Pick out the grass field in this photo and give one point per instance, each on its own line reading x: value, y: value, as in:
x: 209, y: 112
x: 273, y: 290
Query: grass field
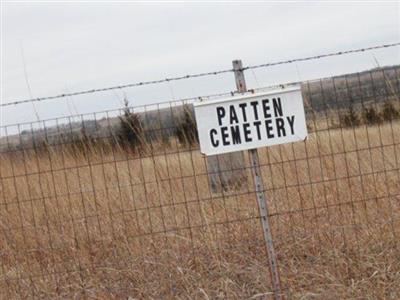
x: 107, y: 225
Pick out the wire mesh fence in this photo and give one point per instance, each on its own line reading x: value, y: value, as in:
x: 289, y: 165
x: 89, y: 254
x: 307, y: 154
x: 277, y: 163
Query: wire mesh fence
x: 122, y: 204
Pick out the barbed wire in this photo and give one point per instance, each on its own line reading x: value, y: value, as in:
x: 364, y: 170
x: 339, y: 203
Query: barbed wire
x: 136, y: 84
x: 320, y: 56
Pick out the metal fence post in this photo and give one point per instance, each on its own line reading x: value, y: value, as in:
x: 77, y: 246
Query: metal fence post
x: 261, y: 198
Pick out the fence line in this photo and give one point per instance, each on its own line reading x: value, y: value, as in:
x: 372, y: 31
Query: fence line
x: 122, y: 204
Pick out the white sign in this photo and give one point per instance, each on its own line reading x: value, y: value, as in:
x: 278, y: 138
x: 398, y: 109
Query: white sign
x: 253, y: 121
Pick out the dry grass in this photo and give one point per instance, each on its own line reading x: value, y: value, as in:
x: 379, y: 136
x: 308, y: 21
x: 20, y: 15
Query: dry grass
x: 114, y: 225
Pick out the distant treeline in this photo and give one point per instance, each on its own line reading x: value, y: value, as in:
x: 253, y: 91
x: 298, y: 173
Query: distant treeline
x: 357, y: 89
x: 368, y: 97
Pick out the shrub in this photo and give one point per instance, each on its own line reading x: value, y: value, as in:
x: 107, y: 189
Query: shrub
x: 130, y: 133
x: 186, y: 127
x: 371, y: 116
x: 350, y: 119
x: 389, y: 111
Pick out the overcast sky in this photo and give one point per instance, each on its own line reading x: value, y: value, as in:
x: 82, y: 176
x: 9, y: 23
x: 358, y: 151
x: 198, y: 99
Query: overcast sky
x: 52, y: 48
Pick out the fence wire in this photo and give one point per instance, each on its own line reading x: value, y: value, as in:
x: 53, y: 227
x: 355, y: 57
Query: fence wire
x: 122, y: 204
x: 204, y: 74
